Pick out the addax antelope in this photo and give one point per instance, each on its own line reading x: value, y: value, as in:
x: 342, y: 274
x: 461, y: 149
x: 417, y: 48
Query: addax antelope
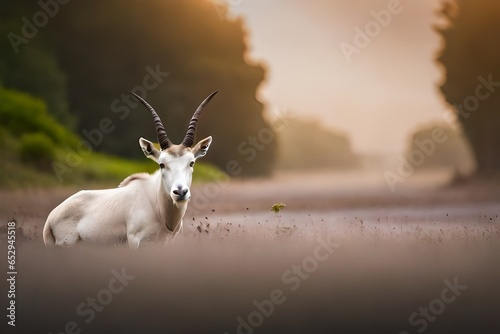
x: 144, y: 207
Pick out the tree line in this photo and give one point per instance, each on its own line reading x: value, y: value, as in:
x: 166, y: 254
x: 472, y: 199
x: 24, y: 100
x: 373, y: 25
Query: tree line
x: 470, y: 57
x: 82, y: 57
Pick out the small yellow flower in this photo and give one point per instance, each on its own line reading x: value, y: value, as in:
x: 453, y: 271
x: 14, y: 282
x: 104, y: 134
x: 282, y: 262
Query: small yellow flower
x: 276, y: 208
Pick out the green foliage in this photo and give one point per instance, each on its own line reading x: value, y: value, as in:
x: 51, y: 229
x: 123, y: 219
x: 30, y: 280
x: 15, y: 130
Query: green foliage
x: 37, y: 149
x: 105, y: 168
x: 87, y: 66
x: 205, y: 172
x: 34, y: 70
x: 3, y: 136
x: 471, y: 52
x: 21, y: 113
x: 31, y: 140
x: 100, y: 169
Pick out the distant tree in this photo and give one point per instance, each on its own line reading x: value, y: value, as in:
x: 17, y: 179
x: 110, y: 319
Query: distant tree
x: 470, y: 58
x: 451, y: 151
x: 306, y: 144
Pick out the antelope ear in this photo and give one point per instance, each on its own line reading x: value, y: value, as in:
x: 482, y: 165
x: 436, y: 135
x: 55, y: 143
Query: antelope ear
x: 149, y: 150
x: 201, y: 148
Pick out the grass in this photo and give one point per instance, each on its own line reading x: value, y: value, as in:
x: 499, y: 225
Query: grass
x: 98, y: 168
x: 34, y: 151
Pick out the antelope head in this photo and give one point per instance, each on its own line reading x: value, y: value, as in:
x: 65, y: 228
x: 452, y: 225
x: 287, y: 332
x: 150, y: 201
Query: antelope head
x: 176, y: 162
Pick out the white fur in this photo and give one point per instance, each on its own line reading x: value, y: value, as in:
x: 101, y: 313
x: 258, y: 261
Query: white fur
x: 143, y: 208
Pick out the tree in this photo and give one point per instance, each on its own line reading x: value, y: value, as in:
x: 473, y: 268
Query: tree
x: 90, y: 53
x: 109, y: 47
x: 27, y: 62
x: 306, y: 144
x: 472, y: 83
x: 450, y: 151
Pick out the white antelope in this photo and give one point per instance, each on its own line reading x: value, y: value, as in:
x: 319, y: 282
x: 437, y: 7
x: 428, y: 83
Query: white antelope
x: 144, y: 207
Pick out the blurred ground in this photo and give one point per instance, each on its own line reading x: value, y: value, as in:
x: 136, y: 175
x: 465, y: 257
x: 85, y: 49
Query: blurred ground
x: 384, y: 260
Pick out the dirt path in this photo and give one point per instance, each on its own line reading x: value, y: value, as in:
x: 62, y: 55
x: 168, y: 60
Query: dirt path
x: 346, y: 255
x: 320, y: 198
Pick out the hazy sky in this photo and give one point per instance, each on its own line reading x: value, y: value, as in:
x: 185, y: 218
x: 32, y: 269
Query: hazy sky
x: 386, y: 91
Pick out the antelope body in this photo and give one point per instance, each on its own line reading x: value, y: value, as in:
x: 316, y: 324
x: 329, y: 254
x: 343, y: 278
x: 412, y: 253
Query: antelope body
x: 145, y: 207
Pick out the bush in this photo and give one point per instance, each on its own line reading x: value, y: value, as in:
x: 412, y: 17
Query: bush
x: 37, y: 149
x: 21, y: 113
x: 3, y: 135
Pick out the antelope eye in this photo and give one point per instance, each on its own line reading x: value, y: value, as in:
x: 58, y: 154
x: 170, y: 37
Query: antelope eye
x: 162, y: 165
x: 191, y: 164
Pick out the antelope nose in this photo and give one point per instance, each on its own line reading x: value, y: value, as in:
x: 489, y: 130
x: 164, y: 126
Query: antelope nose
x: 181, y: 192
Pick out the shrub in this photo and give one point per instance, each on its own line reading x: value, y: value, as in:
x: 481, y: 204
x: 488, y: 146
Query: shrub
x: 21, y: 113
x: 37, y: 149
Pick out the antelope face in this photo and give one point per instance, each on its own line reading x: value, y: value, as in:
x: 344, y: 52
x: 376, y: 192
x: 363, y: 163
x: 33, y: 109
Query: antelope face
x: 176, y: 165
x: 176, y: 162
x: 176, y: 172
